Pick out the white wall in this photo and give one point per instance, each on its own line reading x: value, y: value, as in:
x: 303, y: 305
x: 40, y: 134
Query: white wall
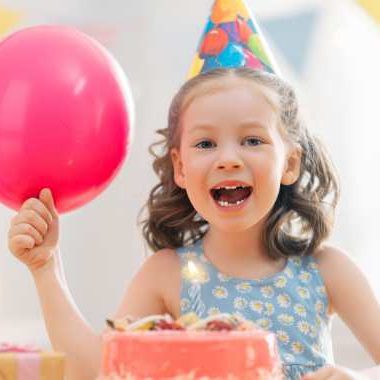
x: 101, y: 243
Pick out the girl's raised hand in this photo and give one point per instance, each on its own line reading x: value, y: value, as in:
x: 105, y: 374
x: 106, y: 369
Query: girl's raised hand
x: 334, y: 373
x: 34, y: 232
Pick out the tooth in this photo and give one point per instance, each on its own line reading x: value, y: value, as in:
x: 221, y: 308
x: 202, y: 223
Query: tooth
x: 227, y: 204
x: 229, y: 187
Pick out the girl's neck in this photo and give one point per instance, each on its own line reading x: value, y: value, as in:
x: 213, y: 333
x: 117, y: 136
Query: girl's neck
x: 240, y: 254
x: 242, y: 245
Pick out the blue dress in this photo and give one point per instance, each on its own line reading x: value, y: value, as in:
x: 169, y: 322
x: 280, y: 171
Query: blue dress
x: 292, y: 303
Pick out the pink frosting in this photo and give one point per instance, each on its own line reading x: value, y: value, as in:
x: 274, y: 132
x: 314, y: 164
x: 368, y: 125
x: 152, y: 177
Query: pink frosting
x: 15, y: 348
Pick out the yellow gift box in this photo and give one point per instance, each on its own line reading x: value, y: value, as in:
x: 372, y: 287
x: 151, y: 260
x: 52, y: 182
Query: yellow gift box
x: 25, y: 364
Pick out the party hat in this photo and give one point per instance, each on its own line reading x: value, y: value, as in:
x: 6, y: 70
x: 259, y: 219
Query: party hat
x: 231, y: 38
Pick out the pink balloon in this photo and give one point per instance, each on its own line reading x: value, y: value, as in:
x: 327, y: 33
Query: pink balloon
x: 65, y: 116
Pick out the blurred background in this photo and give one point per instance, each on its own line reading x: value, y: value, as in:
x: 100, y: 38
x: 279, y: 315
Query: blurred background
x: 329, y: 50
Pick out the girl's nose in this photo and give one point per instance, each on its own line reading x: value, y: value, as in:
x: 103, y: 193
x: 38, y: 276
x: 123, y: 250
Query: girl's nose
x: 229, y: 164
x: 229, y: 159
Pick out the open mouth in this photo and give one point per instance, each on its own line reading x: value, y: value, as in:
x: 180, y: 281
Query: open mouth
x: 230, y: 196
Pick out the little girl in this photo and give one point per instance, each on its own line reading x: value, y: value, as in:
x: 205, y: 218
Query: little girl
x: 238, y: 221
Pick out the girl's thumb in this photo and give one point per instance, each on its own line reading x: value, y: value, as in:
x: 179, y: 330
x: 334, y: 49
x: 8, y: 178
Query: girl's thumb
x: 46, y: 197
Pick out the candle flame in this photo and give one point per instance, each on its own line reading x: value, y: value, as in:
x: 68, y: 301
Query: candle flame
x: 193, y: 272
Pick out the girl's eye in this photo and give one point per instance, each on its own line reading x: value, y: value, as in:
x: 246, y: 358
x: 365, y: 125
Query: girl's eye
x: 205, y: 144
x: 252, y: 141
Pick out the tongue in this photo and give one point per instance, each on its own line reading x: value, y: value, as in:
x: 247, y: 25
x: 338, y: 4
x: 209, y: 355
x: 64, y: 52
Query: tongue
x: 233, y: 196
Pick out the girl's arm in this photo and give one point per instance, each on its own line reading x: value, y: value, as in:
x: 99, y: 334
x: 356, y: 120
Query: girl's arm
x: 352, y: 297
x: 67, y: 329
x: 33, y: 239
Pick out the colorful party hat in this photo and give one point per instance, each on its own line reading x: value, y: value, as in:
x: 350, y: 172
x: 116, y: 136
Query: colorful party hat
x: 232, y: 38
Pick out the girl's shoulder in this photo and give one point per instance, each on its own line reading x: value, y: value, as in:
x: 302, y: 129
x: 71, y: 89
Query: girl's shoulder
x: 352, y: 295
x: 333, y: 263
x: 164, y: 260
x: 329, y: 257
x: 160, y: 271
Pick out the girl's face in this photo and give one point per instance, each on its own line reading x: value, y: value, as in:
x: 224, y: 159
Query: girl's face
x: 233, y: 156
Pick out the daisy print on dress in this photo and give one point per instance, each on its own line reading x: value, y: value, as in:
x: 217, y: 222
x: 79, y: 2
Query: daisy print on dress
x: 269, y: 309
x: 264, y: 323
x: 300, y: 310
x: 303, y: 327
x: 257, y: 306
x: 244, y: 287
x: 267, y: 291
x: 213, y: 311
x: 281, y: 282
x: 304, y: 276
x: 303, y: 292
x: 282, y: 336
x: 298, y: 347
x: 284, y: 300
x: 220, y: 292
x: 240, y: 303
x: 286, y: 319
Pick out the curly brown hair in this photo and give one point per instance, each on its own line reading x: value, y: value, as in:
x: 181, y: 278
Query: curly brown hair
x: 303, y: 214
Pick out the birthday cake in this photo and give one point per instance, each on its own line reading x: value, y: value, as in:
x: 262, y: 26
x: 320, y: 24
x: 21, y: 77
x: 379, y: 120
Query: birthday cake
x: 222, y: 347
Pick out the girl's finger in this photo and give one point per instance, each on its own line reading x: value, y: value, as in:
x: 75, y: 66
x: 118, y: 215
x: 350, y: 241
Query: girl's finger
x: 26, y: 229
x: 20, y: 244
x: 38, y: 206
x: 46, y: 197
x: 33, y: 218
